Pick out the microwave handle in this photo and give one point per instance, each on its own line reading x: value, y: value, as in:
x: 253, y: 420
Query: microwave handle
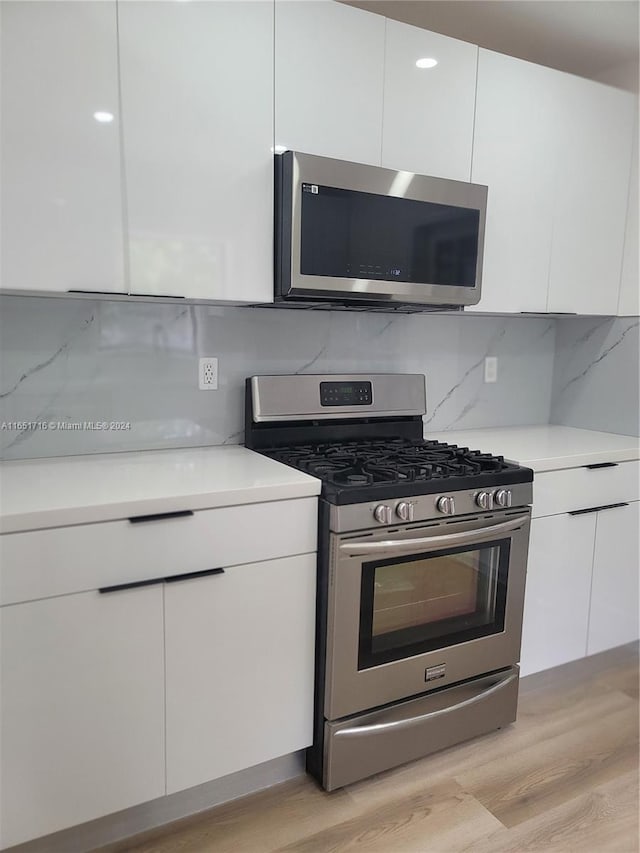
x: 431, y: 543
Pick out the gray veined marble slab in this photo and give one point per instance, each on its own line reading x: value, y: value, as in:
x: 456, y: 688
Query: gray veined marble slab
x: 82, y: 362
x: 596, y: 376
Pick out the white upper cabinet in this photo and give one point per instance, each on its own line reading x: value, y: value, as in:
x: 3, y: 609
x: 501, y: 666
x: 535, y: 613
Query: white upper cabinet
x: 629, y: 303
x: 61, y: 194
x: 428, y: 112
x: 197, y: 103
x: 514, y: 155
x: 554, y: 150
x: 329, y: 62
x: 594, y: 155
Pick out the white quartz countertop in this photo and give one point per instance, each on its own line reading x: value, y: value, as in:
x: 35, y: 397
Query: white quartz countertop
x: 67, y: 490
x: 546, y: 448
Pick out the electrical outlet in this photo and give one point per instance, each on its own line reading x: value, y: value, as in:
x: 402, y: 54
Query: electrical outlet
x: 491, y: 368
x: 208, y: 374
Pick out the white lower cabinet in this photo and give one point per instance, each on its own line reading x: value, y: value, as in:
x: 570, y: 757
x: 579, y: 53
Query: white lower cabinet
x: 613, y: 618
x: 582, y: 574
x: 239, y: 649
x: 82, y: 722
x: 556, y: 607
x: 177, y: 673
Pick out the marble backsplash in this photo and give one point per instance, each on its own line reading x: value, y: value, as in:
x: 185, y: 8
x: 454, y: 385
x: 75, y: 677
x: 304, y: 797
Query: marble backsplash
x: 69, y: 366
x: 596, y: 381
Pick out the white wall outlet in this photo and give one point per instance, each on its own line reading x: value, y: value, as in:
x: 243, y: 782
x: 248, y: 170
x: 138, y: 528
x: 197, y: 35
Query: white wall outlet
x: 208, y: 374
x: 491, y: 368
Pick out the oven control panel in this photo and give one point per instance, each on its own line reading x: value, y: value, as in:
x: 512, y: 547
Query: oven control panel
x: 357, y: 393
x: 453, y: 506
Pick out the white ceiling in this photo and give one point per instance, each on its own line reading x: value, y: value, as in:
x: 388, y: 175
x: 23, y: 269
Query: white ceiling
x: 585, y: 37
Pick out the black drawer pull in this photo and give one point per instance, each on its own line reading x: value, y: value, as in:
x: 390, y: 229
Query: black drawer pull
x: 192, y: 575
x: 158, y: 296
x: 159, y: 516
x: 132, y: 585
x: 596, y: 509
x: 98, y: 292
x: 601, y: 465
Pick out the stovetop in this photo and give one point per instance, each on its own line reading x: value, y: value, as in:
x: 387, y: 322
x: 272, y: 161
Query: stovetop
x: 361, y: 435
x: 368, y: 470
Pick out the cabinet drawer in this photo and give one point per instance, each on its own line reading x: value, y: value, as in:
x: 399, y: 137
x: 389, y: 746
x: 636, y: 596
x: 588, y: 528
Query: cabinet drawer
x: 555, y: 492
x: 57, y: 561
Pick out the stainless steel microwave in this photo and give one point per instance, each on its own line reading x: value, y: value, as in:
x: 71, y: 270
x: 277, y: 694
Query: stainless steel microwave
x: 356, y: 235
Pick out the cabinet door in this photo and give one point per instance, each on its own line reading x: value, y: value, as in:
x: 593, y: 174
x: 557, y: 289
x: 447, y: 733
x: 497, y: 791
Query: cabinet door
x: 614, y: 594
x: 556, y: 607
x: 514, y: 148
x: 240, y: 663
x: 61, y: 186
x: 82, y: 709
x: 594, y: 155
x: 629, y: 303
x: 428, y: 112
x: 329, y: 63
x: 197, y: 102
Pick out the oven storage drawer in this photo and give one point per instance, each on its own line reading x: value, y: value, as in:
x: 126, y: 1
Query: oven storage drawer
x: 373, y: 742
x: 570, y: 489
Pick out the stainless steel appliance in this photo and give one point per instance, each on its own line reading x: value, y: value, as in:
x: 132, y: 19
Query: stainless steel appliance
x: 421, y: 569
x: 357, y: 235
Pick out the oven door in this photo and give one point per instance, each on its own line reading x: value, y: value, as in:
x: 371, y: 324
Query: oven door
x: 422, y: 607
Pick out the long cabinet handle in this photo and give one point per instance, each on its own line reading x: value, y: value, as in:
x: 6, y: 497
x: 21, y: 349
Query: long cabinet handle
x: 597, y: 465
x: 596, y: 509
x: 160, y: 516
x: 171, y: 579
x: 193, y: 575
x: 132, y: 585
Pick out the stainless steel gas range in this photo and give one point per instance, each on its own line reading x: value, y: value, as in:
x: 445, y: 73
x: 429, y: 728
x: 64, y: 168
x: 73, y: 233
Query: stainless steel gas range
x: 421, y: 569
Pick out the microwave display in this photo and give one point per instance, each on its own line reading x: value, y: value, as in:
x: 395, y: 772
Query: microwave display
x: 361, y: 235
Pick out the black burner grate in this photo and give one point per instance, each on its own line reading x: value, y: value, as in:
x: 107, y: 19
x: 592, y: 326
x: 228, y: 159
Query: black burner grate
x: 361, y: 463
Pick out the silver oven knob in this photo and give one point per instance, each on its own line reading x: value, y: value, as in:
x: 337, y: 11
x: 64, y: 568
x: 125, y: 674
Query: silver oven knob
x: 503, y: 497
x: 404, y: 511
x: 484, y: 500
x: 446, y: 505
x: 382, y: 513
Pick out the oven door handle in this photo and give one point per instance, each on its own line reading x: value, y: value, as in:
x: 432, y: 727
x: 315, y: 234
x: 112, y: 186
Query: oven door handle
x: 432, y: 543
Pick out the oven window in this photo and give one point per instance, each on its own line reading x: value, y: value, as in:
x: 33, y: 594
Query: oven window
x: 416, y: 604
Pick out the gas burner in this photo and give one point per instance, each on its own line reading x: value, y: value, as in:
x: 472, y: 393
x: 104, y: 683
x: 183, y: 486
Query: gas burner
x: 351, y: 478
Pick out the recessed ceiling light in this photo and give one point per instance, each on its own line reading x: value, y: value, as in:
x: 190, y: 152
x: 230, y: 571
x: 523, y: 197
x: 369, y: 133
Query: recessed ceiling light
x: 103, y: 117
x: 426, y: 63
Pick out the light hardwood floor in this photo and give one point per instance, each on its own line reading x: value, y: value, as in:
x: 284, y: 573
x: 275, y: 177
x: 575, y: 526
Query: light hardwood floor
x: 564, y: 777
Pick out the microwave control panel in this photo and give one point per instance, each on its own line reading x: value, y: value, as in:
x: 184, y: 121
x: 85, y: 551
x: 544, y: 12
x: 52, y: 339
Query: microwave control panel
x: 346, y: 394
